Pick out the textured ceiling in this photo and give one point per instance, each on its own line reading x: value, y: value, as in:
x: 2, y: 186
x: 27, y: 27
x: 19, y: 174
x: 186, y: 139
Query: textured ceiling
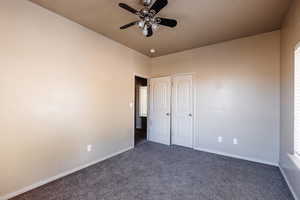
x: 200, y: 22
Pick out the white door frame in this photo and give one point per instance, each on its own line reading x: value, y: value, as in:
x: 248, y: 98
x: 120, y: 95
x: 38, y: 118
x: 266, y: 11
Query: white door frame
x: 133, y: 105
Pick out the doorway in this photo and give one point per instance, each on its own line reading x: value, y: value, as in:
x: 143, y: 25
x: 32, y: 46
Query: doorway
x: 140, y: 110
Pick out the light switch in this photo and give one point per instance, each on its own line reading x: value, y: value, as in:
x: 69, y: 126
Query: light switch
x: 131, y: 105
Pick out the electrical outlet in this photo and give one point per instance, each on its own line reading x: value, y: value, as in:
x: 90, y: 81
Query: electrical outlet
x: 89, y: 148
x: 220, y: 139
x: 235, y: 141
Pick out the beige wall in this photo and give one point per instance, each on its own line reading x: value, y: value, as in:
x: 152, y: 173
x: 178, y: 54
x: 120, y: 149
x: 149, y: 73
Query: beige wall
x: 290, y: 37
x: 237, y: 94
x: 62, y: 87
x: 59, y: 82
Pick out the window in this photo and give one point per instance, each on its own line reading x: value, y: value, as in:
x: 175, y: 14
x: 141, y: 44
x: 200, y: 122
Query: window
x: 297, y: 103
x: 143, y: 101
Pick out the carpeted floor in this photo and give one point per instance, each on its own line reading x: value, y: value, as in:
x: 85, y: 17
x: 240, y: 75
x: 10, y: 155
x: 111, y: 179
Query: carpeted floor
x: 157, y: 172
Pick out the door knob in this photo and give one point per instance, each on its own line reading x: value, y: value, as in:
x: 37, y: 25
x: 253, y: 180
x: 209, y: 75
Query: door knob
x: 168, y: 114
x: 190, y: 115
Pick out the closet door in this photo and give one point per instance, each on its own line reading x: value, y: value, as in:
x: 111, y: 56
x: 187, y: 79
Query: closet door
x: 160, y: 110
x: 182, y: 111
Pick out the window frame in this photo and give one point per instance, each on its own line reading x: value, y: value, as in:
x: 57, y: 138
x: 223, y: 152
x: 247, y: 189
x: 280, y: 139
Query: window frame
x: 296, y: 148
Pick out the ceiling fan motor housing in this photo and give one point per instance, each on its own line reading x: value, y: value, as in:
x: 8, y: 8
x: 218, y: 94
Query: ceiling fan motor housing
x: 146, y: 2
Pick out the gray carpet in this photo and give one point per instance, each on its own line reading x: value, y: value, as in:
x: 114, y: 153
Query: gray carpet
x: 157, y: 172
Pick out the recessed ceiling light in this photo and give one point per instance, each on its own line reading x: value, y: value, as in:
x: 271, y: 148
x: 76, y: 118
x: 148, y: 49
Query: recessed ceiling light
x: 152, y: 51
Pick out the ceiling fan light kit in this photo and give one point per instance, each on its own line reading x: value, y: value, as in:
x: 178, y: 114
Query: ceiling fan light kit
x: 148, y: 19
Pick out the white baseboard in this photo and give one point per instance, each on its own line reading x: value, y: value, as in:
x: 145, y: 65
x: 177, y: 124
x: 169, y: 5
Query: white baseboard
x: 51, y: 179
x: 238, y: 157
x: 288, y: 183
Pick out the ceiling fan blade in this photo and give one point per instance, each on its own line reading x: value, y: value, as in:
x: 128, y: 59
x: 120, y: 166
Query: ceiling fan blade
x: 150, y: 31
x: 168, y: 22
x: 128, y: 8
x: 158, y: 5
x: 129, y: 25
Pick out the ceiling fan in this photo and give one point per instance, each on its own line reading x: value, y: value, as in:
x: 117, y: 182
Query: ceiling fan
x: 148, y: 21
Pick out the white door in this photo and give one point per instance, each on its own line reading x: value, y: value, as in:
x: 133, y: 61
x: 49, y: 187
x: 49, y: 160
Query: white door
x: 182, y: 111
x: 160, y: 110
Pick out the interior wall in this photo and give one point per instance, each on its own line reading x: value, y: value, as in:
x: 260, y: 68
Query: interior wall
x: 62, y: 87
x: 290, y: 37
x: 237, y: 94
